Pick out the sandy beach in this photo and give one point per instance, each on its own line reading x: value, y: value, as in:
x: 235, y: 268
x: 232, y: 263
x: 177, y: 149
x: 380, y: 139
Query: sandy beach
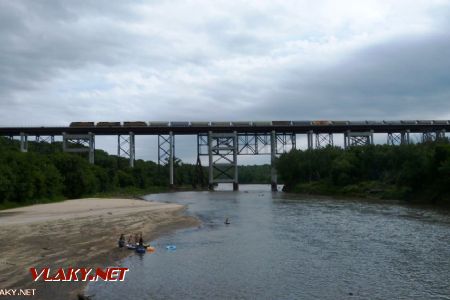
x: 77, y: 233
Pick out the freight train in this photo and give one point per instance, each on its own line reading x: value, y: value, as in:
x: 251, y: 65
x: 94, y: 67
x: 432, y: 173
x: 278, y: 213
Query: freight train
x: 255, y: 123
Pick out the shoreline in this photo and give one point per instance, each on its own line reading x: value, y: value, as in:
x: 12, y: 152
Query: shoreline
x: 369, y: 199
x: 77, y: 233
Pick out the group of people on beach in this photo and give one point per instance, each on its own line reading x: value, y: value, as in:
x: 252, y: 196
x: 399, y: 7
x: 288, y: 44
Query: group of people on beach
x: 138, y: 240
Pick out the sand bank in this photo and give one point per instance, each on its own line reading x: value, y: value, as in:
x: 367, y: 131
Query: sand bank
x: 77, y: 233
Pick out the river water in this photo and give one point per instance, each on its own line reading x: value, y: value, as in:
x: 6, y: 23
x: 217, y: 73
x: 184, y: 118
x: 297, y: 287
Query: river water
x: 280, y: 246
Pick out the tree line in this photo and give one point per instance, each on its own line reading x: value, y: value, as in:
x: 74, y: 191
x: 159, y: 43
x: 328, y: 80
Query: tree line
x: 46, y: 174
x: 411, y: 172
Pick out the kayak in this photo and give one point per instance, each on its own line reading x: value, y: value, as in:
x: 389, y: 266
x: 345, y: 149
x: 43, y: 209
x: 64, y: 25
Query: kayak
x: 151, y: 249
x: 131, y: 246
x: 140, y: 249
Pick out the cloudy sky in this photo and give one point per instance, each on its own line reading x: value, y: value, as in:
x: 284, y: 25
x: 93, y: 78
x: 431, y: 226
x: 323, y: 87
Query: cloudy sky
x: 63, y: 61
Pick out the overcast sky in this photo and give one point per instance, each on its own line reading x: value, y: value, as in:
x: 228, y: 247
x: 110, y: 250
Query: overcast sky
x: 63, y: 61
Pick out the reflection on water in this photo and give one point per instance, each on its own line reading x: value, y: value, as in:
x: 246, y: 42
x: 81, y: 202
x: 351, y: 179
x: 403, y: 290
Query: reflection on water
x: 279, y: 247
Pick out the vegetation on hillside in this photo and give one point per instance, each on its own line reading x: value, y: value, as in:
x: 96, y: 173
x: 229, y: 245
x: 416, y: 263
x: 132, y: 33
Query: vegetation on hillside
x: 409, y: 172
x: 46, y: 174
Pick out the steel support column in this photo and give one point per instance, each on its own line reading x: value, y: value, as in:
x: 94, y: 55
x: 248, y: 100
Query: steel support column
x: 126, y: 147
x: 235, y: 153
x: 166, y: 153
x: 273, y: 156
x: 222, y: 152
x: 23, y: 142
x: 171, y: 156
x: 440, y: 134
x: 210, y: 158
x: 80, y: 143
x: 310, y: 140
x: 428, y: 136
x: 323, y: 140
x: 47, y: 139
x: 398, y: 138
x: 358, y: 138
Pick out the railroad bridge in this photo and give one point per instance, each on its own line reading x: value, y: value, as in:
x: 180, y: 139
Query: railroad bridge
x: 222, y: 142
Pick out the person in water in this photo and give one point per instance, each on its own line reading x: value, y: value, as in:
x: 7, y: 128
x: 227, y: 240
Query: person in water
x: 227, y: 222
x: 121, y: 240
x: 141, y: 241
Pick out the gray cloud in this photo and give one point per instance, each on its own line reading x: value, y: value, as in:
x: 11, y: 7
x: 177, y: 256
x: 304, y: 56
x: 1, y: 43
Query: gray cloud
x: 168, y: 60
x: 402, y: 78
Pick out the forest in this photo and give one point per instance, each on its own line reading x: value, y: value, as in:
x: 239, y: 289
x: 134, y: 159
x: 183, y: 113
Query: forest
x: 46, y: 174
x: 414, y: 172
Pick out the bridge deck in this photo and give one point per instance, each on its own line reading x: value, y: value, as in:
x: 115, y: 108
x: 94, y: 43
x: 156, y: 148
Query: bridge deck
x: 190, y: 130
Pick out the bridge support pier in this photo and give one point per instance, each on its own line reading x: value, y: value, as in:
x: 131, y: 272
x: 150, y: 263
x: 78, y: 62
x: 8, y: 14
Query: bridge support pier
x: 358, y: 138
x: 48, y: 139
x: 431, y: 136
x: 310, y: 140
x: 80, y: 143
x: 23, y: 142
x: 171, y: 155
x: 166, y: 153
x: 398, y: 138
x: 222, y: 153
x: 126, y: 147
x: 273, y: 157
x: 440, y: 134
x: 323, y: 140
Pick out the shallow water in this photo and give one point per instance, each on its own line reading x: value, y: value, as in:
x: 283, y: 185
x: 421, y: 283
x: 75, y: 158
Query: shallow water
x: 279, y: 247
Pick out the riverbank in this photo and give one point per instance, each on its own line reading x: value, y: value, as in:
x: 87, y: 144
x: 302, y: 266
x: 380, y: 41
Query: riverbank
x: 369, y: 190
x: 76, y: 233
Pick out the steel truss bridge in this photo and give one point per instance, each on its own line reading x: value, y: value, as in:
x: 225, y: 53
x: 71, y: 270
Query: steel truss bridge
x: 222, y: 143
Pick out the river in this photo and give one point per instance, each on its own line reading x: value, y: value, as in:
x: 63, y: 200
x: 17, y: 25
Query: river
x: 280, y: 246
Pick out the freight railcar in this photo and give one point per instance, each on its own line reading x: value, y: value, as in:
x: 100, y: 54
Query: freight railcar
x: 408, y: 122
x: 108, y: 124
x: 337, y: 123
x: 200, y: 124
x: 371, y: 122
x: 134, y: 124
x: 387, y: 122
x: 321, y: 122
x: 424, y: 122
x: 158, y: 124
x: 281, y: 123
x: 262, y: 123
x: 180, y: 124
x: 440, y: 122
x: 241, y: 123
x: 82, y: 124
x: 301, y: 123
x: 220, y: 124
x: 357, y: 123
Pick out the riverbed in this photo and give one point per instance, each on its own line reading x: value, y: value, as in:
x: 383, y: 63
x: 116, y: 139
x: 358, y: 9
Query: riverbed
x: 281, y: 246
